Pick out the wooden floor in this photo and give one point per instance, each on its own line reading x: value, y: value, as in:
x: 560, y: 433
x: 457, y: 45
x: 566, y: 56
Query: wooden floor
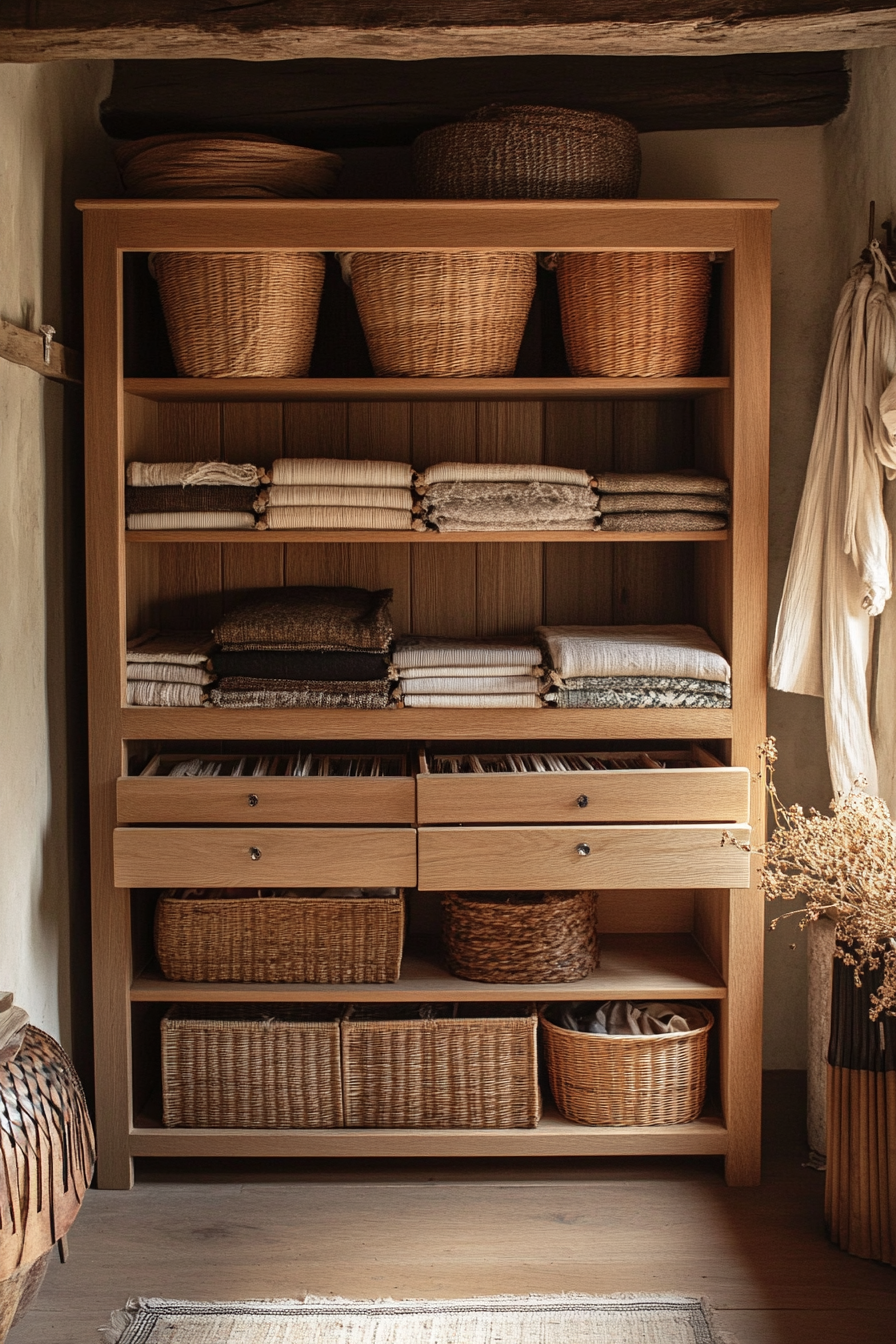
x: 384, y: 1229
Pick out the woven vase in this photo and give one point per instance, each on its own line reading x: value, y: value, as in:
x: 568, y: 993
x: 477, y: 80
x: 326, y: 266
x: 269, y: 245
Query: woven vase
x: 240, y: 314
x: 520, y: 937
x: 443, y: 314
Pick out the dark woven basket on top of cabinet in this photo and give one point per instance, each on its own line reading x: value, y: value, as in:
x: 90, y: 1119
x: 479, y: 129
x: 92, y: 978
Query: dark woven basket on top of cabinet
x: 520, y: 937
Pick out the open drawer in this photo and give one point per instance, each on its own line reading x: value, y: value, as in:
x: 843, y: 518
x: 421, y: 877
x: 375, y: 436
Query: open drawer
x: 678, y: 786
x: 500, y: 858
x: 237, y: 856
x: 327, y: 796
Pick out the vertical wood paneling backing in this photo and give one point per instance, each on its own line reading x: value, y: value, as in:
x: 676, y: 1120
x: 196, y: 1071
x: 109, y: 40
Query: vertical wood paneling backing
x: 578, y: 580
x: 252, y: 432
x: 188, y: 431
x: 443, y: 579
x: 315, y: 429
x: 510, y: 578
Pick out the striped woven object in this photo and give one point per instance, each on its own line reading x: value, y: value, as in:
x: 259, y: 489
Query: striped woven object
x: 191, y: 647
x: 192, y: 473
x: 190, y: 522
x: 660, y: 482
x: 663, y: 522
x: 322, y: 517
x: 190, y: 498
x: 159, y: 672
x: 633, y: 651
x: 656, y: 502
x: 524, y: 472
x: 224, y: 164
x: 166, y: 694
x: 474, y: 685
x: 341, y: 471
x: 341, y: 496
x: 427, y: 651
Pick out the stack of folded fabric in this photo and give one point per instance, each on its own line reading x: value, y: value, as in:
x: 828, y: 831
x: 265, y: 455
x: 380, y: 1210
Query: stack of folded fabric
x: 305, y: 648
x: 169, y: 669
x: 182, y: 496
x: 635, y: 667
x: 506, y: 497
x: 662, y: 501
x: 325, y: 492
x: 436, y: 672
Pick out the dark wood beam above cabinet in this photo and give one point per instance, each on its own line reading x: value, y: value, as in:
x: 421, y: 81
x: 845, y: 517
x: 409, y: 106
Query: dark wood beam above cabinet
x: 264, y: 30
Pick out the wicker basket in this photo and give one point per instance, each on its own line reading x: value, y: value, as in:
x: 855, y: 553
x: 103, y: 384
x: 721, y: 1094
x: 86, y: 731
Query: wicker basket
x: 509, y: 153
x: 285, y: 937
x: 474, y: 1071
x: 226, y: 164
x: 633, y: 314
x: 240, y: 314
x: 252, y: 1066
x: 443, y: 314
x: 629, y: 1080
x: 520, y: 937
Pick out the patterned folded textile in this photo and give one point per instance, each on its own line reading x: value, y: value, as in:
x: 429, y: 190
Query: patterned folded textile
x: 189, y: 522
x: 699, y: 685
x: 340, y: 471
x: 501, y: 471
x: 518, y: 521
x: 660, y: 482
x: 519, y: 700
x: 656, y: 503
x: 350, y: 688
x: 466, y: 685
x: 301, y: 700
x: 189, y: 498
x: 324, y: 619
x: 663, y: 522
x: 633, y: 651
x: 286, y: 665
x: 323, y: 517
x: 535, y: 494
x: 343, y: 496
x: 193, y: 473
x: 191, y: 647
x: 168, y: 693
x: 195, y: 676
x: 609, y: 699
x: 442, y: 651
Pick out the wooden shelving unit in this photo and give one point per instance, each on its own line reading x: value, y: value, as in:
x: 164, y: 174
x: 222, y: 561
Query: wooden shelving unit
x: 670, y: 933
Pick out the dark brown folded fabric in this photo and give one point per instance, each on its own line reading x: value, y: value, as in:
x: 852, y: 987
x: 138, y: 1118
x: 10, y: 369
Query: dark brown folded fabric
x: 350, y: 688
x: 286, y: 665
x: 325, y: 619
x: 189, y: 498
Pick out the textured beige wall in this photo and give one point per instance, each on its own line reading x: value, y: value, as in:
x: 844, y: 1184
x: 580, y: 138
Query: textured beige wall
x: 51, y: 149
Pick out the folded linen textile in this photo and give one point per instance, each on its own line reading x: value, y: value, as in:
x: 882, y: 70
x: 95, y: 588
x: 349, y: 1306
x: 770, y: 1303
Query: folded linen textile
x: 195, y: 676
x: 380, y: 687
x: 657, y: 503
x: 467, y: 685
x: 621, y: 699
x: 191, y: 647
x: 517, y: 700
x: 340, y: 471
x: 343, y: 496
x: 516, y: 521
x: 323, y: 619
x: 294, y: 665
x: 323, y: 517
x: 618, y: 1017
x: 301, y: 700
x: 443, y: 651
x: 699, y: 685
x: 663, y: 522
x: 501, y: 471
x: 532, y: 493
x: 190, y: 498
x: 491, y: 670
x: 633, y: 651
x: 169, y: 693
x: 660, y: 482
x: 190, y: 522
x: 193, y: 473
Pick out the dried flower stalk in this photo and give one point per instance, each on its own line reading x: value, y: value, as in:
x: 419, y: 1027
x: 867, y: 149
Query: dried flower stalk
x: 842, y: 866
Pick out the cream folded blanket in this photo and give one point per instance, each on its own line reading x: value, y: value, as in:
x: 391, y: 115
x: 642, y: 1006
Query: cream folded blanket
x: 440, y: 651
x: 513, y: 701
x: 501, y: 471
x: 189, y: 647
x: 633, y: 650
x: 194, y: 676
x: 190, y: 522
x: 343, y: 496
x: 193, y: 473
x: 660, y: 503
x: 466, y: 685
x: 340, y: 471
x: 322, y: 517
x: 663, y: 522
x: 461, y: 670
x: 172, y: 694
x: 660, y: 482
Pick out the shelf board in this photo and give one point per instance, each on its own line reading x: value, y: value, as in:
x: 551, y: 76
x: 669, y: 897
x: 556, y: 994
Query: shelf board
x: 371, y: 537
x: 418, y: 389
x: 552, y: 1137
x: 633, y: 965
x: 344, y: 725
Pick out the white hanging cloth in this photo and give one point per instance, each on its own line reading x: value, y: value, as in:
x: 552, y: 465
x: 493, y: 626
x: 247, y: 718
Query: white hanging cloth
x: 838, y: 578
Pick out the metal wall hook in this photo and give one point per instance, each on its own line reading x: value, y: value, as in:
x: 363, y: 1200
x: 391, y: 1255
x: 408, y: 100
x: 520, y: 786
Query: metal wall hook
x: 48, y: 333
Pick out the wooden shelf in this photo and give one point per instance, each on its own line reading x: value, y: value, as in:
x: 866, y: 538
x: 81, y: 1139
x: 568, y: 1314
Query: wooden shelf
x: 345, y: 725
x: 370, y: 537
x: 417, y: 389
x: 639, y: 966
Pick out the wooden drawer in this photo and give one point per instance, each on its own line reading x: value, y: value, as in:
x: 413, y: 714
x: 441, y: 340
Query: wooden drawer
x: 156, y: 856
x: 692, y: 786
x: 499, y: 858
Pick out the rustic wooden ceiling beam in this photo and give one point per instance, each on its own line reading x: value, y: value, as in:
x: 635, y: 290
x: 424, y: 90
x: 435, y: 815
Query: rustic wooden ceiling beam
x: 410, y: 30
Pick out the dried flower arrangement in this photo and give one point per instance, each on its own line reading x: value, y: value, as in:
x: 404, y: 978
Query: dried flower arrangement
x: 842, y: 866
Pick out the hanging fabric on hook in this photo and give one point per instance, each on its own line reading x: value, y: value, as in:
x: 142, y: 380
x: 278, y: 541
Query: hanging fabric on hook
x: 839, y: 575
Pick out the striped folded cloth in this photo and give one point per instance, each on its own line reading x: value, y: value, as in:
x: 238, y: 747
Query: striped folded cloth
x: 437, y: 673
x: 663, y: 522
x: 168, y: 669
x: 192, y: 648
x: 440, y: 651
x: 526, y: 472
x: 190, y: 522
x: 341, y: 471
x: 167, y: 694
x: 632, y: 651
x: 515, y: 701
x: 193, y: 473
x: 344, y: 496
x: 662, y: 501
x: 324, y: 517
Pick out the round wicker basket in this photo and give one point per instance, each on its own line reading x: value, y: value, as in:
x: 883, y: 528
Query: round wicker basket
x: 520, y: 937
x: 629, y: 1080
x: 633, y: 314
x: 240, y: 314
x: 443, y: 314
x: 529, y: 152
x: 224, y: 164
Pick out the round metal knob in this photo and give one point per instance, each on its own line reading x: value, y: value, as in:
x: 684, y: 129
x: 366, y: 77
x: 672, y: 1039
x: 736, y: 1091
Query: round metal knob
x: 583, y: 848
x: 582, y: 800
x: 254, y: 853
x: 253, y: 800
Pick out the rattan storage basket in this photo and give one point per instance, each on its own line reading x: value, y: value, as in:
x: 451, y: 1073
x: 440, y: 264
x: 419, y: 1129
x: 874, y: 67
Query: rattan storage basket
x: 477, y: 1070
x: 280, y: 937
x: 633, y: 314
x: 228, y: 164
x: 252, y: 1066
x: 520, y: 937
x: 443, y: 314
x: 509, y: 153
x: 240, y: 314
x: 629, y: 1080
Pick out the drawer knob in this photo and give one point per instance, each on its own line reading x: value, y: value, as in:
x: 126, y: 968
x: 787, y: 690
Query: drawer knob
x: 582, y: 800
x: 254, y: 854
x: 253, y: 800
x: 582, y: 848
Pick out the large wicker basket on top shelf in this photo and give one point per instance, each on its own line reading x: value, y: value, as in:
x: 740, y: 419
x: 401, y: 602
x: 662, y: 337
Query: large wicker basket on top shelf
x: 520, y: 937
x: 224, y: 163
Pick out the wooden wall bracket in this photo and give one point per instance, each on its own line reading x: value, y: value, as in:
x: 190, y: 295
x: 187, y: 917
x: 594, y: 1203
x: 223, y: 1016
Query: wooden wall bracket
x: 31, y: 349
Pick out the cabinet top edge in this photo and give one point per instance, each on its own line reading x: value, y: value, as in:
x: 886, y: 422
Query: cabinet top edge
x: 116, y: 205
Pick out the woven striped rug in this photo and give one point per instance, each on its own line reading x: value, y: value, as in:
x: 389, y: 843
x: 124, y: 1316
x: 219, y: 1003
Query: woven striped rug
x: 567, y: 1319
